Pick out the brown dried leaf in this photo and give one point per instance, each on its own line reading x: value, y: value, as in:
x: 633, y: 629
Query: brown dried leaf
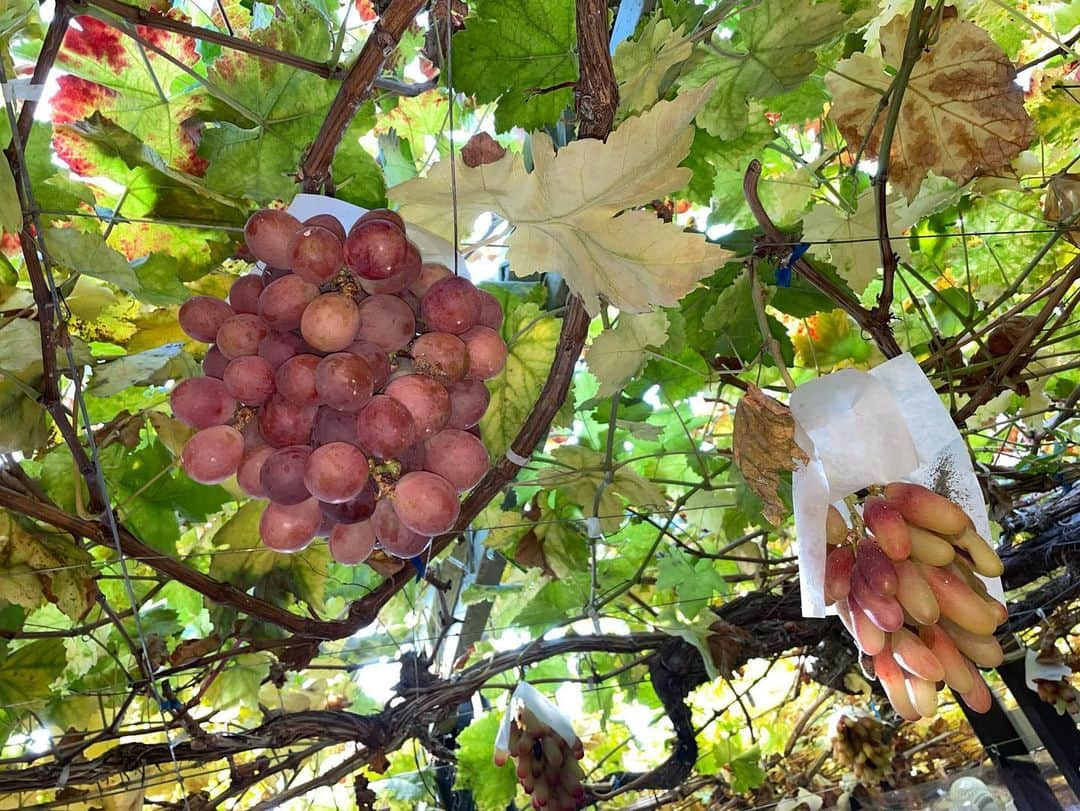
x: 962, y: 116
x: 725, y: 644
x: 764, y: 444
x: 481, y: 149
x: 530, y: 554
x: 191, y: 649
x: 1062, y: 202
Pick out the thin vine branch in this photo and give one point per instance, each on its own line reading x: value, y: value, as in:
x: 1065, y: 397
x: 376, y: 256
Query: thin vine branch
x: 314, y: 169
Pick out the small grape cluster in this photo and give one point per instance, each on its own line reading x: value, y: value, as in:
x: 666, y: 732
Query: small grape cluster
x: 1059, y: 694
x: 547, y: 766
x: 859, y: 745
x: 905, y: 585
x: 344, y: 384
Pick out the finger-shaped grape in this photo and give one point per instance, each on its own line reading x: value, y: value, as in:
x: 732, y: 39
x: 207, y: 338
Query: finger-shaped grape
x: 839, y: 564
x: 986, y: 561
x: 983, y: 649
x: 925, y: 508
x: 836, y: 529
x: 869, y: 638
x: 553, y: 751
x: 914, y: 594
x: 923, y: 695
x: 978, y: 698
x: 962, y: 566
x: 929, y: 547
x: 889, y: 528
x: 895, y: 685
x: 882, y: 609
x: 957, y: 601
x: 955, y: 665
x: 915, y: 657
x: 875, y: 567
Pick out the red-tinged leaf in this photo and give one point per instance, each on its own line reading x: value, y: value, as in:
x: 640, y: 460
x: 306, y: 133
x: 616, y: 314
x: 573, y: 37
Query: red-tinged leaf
x: 366, y: 9
x: 152, y: 97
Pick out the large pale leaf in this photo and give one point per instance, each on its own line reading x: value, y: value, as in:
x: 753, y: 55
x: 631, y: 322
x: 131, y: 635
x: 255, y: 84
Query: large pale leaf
x: 617, y: 354
x: 962, y: 115
x: 26, y: 674
x: 773, y: 53
x: 570, y: 213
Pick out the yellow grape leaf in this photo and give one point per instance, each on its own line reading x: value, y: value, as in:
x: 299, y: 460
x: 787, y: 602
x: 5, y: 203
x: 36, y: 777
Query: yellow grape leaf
x: 617, y: 354
x: 641, y: 63
x: 570, y: 213
x: 849, y: 241
x: 962, y: 116
x: 528, y: 363
x: 764, y: 444
x: 45, y: 566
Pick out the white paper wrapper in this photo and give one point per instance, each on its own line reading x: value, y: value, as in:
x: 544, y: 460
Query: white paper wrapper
x: 432, y: 248
x: 547, y: 712
x: 1034, y: 669
x: 863, y: 428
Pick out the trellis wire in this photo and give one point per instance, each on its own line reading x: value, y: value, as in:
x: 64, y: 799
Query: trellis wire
x: 82, y: 417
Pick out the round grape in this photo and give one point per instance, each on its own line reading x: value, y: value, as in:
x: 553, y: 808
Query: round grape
x: 469, y: 400
x: 296, y: 380
x: 290, y: 528
x: 487, y: 353
x: 329, y: 222
x: 336, y: 473
x: 250, y: 379
x: 249, y: 474
x: 213, y: 454
x: 426, y: 503
x: 430, y: 273
x: 330, y: 322
x: 315, y: 254
x: 385, y: 321
x: 283, y: 423
x: 393, y: 536
x: 344, y: 381
x: 452, y: 305
x: 491, y: 313
x: 358, y: 508
x: 214, y: 362
x: 375, y: 248
x: 202, y: 402
x: 282, y: 475
x: 426, y: 400
x: 334, y: 426
x: 278, y: 347
x: 267, y: 234
x: 244, y: 294
x: 378, y: 361
x: 201, y: 317
x: 384, y: 427
x: 283, y: 302
x: 240, y: 335
x: 440, y: 355
x: 412, y: 458
x: 352, y: 543
x: 383, y: 214
x: 457, y: 456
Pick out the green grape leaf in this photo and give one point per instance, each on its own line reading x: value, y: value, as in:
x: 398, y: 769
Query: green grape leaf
x: 773, y: 52
x: 87, y: 253
x: 510, y: 50
x: 642, y: 63
x: 514, y: 392
x: 244, y: 560
x: 493, y: 787
x: 10, y: 210
x: 154, y: 366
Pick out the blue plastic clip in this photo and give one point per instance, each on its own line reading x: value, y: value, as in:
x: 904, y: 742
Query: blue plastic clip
x: 783, y: 273
x: 171, y: 705
x: 420, y: 565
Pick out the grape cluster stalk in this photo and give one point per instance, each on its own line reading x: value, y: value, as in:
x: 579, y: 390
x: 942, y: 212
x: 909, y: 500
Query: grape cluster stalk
x: 344, y: 384
x: 861, y: 745
x: 905, y: 584
x: 548, y: 767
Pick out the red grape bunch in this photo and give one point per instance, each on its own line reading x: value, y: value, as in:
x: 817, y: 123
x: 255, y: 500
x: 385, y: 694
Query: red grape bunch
x: 343, y: 384
x: 547, y: 766
x: 905, y: 586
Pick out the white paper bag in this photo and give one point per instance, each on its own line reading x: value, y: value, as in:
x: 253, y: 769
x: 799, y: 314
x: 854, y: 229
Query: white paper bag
x: 863, y: 428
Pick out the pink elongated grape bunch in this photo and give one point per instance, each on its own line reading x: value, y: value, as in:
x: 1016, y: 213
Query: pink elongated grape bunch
x: 343, y: 385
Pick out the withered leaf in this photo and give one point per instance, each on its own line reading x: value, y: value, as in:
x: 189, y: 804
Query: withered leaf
x: 962, y: 114
x: 764, y: 444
